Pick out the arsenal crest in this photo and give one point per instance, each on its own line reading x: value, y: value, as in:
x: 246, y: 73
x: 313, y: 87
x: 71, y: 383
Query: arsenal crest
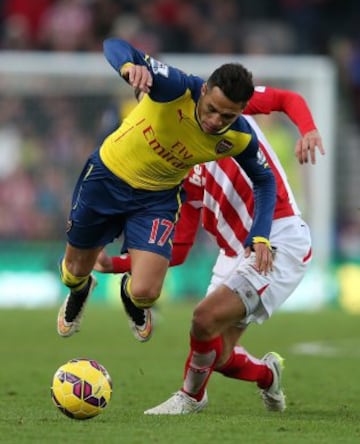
x: 223, y: 146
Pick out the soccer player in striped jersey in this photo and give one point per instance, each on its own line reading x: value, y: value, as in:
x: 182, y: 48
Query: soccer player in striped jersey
x: 132, y: 184
x: 221, y: 195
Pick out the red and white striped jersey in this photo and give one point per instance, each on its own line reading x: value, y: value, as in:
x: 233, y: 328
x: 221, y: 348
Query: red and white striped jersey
x: 228, y: 200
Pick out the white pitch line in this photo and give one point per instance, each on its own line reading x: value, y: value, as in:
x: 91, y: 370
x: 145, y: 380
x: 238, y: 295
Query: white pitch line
x: 343, y: 347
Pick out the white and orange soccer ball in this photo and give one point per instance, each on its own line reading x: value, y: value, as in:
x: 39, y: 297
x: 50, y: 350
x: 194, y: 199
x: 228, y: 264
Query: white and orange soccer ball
x: 81, y: 388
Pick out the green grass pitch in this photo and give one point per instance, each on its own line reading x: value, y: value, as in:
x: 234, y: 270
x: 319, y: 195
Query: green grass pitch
x: 322, y: 352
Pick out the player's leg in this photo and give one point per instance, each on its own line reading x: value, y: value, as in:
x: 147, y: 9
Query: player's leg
x: 231, y: 302
x: 75, y: 269
x: 94, y: 221
x: 212, y: 315
x: 140, y: 289
x: 148, y: 240
x: 148, y: 270
x: 239, y: 363
x: 291, y: 236
x: 265, y: 372
x: 181, y: 402
x: 218, y: 311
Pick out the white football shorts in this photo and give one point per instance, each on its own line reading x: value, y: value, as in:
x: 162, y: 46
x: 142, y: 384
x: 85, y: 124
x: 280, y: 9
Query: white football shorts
x: 291, y: 238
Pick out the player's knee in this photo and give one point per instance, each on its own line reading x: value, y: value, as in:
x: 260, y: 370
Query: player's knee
x: 144, y: 294
x: 204, y: 324
x: 71, y: 279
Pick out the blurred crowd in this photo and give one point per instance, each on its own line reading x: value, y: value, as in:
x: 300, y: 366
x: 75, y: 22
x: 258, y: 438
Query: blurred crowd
x: 43, y: 145
x: 229, y: 26
x: 34, y: 205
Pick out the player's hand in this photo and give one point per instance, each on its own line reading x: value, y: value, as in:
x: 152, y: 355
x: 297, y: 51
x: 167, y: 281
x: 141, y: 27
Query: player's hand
x: 263, y: 256
x: 104, y: 263
x: 139, y: 77
x: 306, y: 147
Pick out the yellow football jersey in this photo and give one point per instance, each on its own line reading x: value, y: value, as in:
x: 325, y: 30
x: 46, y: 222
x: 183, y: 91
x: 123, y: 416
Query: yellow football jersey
x: 160, y: 140
x: 158, y: 143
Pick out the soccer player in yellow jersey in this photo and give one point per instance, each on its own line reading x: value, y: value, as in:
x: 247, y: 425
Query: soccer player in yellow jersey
x: 132, y: 185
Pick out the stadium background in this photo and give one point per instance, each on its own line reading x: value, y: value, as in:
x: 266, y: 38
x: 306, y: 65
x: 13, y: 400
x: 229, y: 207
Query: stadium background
x: 49, y: 124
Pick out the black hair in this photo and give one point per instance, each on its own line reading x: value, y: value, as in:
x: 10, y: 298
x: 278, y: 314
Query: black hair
x: 234, y: 80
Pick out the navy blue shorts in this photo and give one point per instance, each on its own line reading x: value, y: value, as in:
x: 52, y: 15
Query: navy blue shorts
x: 104, y: 207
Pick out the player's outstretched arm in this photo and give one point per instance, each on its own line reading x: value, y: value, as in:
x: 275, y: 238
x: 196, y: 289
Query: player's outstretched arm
x: 266, y: 100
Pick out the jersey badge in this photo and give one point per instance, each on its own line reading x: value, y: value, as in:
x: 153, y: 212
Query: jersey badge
x: 223, y: 146
x: 159, y: 68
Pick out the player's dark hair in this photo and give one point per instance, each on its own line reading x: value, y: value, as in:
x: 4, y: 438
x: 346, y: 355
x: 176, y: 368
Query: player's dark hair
x: 234, y: 80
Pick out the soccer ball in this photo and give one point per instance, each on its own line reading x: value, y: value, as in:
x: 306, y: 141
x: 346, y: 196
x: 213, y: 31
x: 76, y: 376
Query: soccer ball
x: 81, y: 388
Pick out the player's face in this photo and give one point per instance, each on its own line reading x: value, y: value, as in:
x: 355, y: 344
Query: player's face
x: 215, y: 112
